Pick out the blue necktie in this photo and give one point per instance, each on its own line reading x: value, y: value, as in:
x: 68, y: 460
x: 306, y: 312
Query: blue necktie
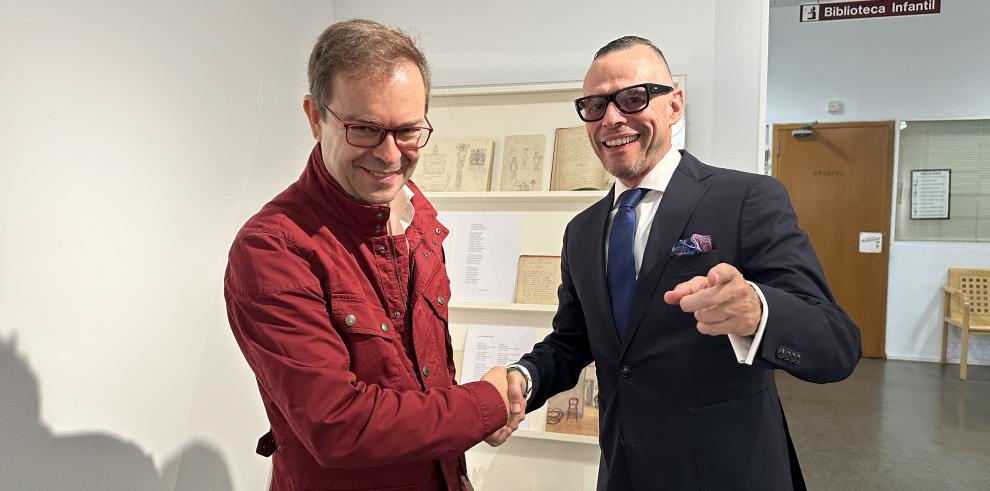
x: 621, y: 263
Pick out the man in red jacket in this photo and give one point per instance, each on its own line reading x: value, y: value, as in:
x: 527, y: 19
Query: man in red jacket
x: 337, y: 292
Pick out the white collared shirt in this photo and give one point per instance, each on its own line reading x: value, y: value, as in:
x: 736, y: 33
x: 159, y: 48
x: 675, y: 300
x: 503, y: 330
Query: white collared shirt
x: 401, y: 212
x: 656, y: 181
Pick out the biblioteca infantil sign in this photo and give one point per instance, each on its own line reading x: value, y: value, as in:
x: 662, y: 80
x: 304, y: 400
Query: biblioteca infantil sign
x: 817, y: 12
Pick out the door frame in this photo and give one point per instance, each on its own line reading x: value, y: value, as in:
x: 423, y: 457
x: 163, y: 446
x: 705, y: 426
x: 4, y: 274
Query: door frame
x: 889, y: 182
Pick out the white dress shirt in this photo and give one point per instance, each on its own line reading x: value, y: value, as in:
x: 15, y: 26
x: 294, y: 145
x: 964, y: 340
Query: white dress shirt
x: 401, y: 211
x: 656, y: 181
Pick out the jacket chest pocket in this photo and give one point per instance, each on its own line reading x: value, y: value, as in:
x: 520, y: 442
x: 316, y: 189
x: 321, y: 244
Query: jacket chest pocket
x: 438, y: 299
x: 372, y: 342
x: 683, y: 268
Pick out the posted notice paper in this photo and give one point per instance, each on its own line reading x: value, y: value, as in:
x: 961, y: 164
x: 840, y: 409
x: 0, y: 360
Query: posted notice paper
x: 482, y: 251
x: 489, y: 345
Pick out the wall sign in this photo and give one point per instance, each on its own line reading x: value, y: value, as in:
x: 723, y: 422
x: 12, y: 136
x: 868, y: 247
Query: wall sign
x: 930, y: 194
x: 817, y: 12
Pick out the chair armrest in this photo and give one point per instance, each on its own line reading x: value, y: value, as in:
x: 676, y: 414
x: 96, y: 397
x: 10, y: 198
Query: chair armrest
x: 955, y: 291
x: 963, y: 304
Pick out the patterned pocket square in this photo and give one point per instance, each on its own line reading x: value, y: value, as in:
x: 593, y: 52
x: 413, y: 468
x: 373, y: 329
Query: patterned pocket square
x: 696, y: 244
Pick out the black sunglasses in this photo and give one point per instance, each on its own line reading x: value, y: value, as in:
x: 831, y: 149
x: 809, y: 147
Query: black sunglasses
x: 629, y: 100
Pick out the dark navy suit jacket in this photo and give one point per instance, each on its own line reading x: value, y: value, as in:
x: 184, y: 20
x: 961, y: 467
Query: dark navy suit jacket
x: 676, y: 409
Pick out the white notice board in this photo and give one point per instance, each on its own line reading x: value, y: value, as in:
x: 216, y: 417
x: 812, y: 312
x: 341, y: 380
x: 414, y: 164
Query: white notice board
x: 930, y: 194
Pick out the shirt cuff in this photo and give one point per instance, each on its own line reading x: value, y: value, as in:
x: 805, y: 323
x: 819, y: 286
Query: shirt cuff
x: 529, y: 380
x: 746, y: 347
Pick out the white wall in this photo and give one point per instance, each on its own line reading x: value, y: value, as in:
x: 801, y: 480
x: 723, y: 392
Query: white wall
x: 917, y: 273
x: 718, y: 44
x: 135, y: 138
x: 932, y: 66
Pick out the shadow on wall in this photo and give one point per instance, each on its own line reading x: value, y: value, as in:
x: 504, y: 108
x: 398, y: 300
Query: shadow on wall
x: 32, y: 458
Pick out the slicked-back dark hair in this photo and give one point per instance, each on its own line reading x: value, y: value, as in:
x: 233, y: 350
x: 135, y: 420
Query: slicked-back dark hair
x: 626, y: 42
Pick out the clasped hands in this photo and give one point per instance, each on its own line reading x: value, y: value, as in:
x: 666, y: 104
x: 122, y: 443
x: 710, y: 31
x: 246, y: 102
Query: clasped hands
x: 722, y: 302
x: 511, y: 386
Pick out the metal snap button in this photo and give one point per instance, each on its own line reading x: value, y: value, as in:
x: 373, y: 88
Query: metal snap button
x: 440, y: 300
x: 384, y: 327
x: 350, y: 320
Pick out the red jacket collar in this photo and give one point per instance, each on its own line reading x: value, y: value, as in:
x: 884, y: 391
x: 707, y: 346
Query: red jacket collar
x: 366, y: 220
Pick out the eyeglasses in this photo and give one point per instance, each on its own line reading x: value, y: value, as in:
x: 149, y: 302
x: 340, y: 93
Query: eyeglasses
x: 367, y: 135
x: 629, y: 100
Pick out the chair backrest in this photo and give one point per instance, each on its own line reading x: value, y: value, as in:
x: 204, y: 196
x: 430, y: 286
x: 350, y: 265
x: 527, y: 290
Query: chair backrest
x: 975, y: 283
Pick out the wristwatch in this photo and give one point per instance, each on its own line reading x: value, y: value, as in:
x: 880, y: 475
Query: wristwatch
x: 515, y: 367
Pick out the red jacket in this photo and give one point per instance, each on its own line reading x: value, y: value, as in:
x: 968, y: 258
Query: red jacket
x: 345, y: 328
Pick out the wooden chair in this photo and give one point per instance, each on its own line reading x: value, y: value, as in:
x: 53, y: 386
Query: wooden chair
x: 965, y: 304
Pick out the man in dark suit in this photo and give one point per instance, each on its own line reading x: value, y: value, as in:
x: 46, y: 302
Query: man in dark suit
x: 687, y: 285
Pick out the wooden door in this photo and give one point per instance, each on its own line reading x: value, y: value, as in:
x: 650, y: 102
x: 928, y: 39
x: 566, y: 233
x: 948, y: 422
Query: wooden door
x: 839, y: 178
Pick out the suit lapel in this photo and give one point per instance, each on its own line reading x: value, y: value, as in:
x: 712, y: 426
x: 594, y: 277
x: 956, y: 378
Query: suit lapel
x: 599, y: 219
x: 679, y: 200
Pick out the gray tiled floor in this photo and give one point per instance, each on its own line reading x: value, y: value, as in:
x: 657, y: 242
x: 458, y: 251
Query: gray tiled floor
x: 893, y: 425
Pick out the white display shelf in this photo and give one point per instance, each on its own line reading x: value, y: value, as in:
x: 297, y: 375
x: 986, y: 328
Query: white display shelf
x: 495, y: 112
x: 513, y: 314
x: 558, y: 437
x: 504, y: 307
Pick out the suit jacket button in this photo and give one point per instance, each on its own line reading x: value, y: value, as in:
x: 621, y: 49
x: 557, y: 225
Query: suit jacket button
x: 625, y: 371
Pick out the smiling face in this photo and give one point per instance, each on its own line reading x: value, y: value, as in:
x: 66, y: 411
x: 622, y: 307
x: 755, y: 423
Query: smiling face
x: 371, y: 175
x: 630, y: 145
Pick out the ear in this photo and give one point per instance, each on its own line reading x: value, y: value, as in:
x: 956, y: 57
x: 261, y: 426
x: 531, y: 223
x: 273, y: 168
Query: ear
x: 313, y: 115
x: 676, y: 105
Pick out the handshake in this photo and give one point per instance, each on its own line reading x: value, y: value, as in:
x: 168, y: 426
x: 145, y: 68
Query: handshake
x: 511, y: 386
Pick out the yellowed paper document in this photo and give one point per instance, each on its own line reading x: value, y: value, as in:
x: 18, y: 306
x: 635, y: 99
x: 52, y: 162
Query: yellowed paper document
x: 522, y: 163
x: 455, y: 165
x: 538, y: 279
x: 575, y: 165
